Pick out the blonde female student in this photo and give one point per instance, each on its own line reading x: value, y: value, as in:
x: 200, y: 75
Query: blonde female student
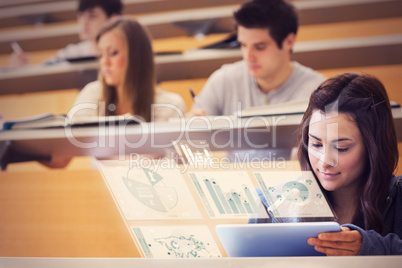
x: 127, y: 80
x: 347, y: 139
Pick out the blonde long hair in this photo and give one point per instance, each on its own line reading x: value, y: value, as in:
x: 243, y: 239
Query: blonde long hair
x: 139, y: 79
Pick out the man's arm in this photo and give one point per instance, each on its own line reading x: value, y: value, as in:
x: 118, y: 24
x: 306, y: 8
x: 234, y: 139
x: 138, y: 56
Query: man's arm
x: 209, y: 100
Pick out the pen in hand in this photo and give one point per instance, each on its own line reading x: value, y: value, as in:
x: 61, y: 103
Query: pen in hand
x: 16, y: 47
x: 18, y: 57
x: 195, y: 100
x: 192, y: 93
x: 194, y: 97
x: 198, y: 111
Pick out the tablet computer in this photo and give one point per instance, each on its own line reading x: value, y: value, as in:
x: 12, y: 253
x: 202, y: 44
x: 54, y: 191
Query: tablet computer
x: 272, y: 239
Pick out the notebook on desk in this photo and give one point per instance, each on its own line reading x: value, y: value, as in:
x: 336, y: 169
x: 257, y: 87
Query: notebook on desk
x: 48, y: 120
x: 286, y: 108
x: 272, y: 239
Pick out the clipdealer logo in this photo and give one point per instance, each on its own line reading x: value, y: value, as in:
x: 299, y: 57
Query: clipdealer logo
x: 222, y: 132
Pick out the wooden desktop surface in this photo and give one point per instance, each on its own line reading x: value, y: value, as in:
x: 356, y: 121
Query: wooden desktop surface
x: 70, y: 214
x: 269, y: 262
x: 61, y: 213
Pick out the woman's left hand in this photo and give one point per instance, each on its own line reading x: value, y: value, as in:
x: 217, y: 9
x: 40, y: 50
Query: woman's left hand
x: 344, y: 243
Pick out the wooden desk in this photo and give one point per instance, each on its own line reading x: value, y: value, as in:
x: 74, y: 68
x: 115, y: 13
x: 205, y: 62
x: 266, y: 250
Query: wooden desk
x: 160, y: 25
x: 222, y: 133
x: 349, y: 29
x: 168, y: 22
x: 389, y: 75
x: 322, y: 31
x: 60, y: 214
x: 33, y: 78
x: 14, y: 3
x: 321, y: 54
x: 282, y: 262
x: 15, y: 13
x: 69, y: 219
x: 29, y: 104
x: 25, y: 14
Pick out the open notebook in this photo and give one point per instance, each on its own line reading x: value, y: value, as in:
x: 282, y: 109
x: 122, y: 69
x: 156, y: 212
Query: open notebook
x: 48, y: 120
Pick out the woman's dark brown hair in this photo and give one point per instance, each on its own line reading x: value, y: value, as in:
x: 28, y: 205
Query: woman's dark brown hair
x: 139, y: 78
x: 364, y: 99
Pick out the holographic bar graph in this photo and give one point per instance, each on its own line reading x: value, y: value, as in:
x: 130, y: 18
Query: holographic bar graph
x: 235, y: 201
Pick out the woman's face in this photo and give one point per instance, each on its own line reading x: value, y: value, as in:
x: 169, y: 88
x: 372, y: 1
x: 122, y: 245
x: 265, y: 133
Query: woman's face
x: 336, y: 151
x: 113, y: 58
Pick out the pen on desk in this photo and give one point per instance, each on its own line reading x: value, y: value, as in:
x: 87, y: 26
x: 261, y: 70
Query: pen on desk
x: 16, y: 47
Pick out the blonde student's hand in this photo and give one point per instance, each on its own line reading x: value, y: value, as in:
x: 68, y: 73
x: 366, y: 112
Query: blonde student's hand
x: 344, y: 243
x: 57, y: 162
x: 18, y: 59
x: 196, y: 112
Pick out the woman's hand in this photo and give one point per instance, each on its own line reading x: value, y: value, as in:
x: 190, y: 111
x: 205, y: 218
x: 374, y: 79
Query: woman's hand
x: 342, y: 243
x: 19, y: 59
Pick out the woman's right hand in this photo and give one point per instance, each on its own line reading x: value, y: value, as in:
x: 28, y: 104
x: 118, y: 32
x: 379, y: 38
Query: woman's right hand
x: 18, y: 59
x: 344, y: 243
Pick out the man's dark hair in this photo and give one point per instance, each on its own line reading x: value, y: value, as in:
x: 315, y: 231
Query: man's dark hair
x: 278, y: 16
x: 111, y: 7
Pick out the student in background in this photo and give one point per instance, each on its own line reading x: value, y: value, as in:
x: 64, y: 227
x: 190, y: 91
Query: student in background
x: 266, y: 31
x: 91, y: 16
x: 127, y: 80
